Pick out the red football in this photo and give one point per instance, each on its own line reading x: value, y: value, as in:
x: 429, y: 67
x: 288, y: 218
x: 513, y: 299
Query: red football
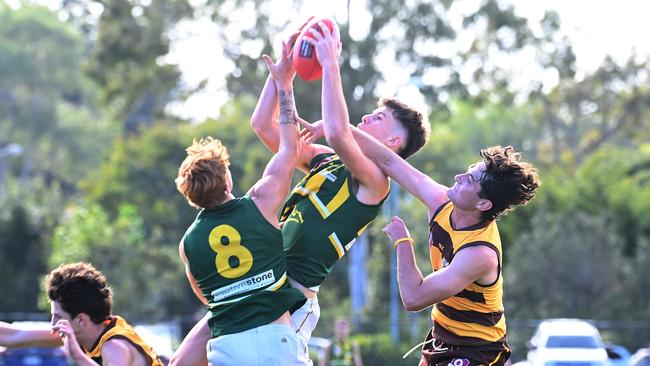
x: 304, y: 55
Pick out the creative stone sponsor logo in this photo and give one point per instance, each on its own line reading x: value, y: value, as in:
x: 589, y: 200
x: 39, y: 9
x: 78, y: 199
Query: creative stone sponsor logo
x: 248, y: 284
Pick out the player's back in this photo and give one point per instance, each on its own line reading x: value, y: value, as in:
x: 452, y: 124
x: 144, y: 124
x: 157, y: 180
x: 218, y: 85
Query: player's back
x: 235, y: 255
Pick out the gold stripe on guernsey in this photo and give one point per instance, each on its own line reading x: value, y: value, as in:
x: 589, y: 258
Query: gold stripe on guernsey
x: 273, y: 287
x: 363, y: 228
x: 472, y: 330
x: 496, y: 359
x: 336, y: 243
x: 341, y: 196
x: 466, y: 304
x: 278, y: 284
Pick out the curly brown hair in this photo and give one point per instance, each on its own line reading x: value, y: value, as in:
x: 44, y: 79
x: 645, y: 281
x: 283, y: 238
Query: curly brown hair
x: 507, y: 181
x: 80, y: 288
x: 202, y: 175
x: 417, y: 129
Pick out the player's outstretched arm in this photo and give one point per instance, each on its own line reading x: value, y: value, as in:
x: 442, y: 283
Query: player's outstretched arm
x: 431, y: 193
x: 270, y: 191
x: 265, y: 117
x: 336, y: 120
x: 417, y: 293
x: 428, y: 191
x: 13, y: 336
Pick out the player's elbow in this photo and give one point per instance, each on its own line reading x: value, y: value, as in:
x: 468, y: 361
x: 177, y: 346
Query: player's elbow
x: 257, y: 123
x: 415, y: 301
x: 413, y: 304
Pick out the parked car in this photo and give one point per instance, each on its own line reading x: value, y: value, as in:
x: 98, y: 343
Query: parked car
x: 567, y: 342
x: 641, y: 357
x: 618, y: 355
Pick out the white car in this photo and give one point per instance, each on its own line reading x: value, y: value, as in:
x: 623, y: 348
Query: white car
x: 567, y: 342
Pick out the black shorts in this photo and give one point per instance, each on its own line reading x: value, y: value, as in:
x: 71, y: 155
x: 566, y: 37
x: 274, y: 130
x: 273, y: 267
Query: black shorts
x: 438, y: 353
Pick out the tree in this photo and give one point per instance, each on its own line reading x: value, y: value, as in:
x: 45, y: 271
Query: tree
x: 141, y: 169
x: 28, y: 216
x: 46, y: 105
x: 147, y: 277
x: 130, y: 40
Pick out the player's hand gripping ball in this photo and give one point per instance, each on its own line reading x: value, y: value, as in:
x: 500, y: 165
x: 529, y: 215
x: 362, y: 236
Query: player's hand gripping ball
x: 304, y: 54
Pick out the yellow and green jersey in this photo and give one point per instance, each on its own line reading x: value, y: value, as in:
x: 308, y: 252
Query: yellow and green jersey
x: 475, y: 315
x: 341, y: 353
x: 236, y: 257
x: 322, y: 218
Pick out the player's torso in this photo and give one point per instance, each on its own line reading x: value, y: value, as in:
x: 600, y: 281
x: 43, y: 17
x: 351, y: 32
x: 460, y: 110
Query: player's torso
x: 236, y: 257
x: 341, y: 354
x: 476, y: 313
x: 323, y: 218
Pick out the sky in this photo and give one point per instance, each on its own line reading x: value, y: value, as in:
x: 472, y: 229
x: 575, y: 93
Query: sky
x: 596, y: 29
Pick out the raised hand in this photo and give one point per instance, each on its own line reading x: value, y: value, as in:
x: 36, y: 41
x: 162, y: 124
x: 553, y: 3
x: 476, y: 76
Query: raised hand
x: 396, y: 229
x: 292, y: 38
x: 327, y: 44
x: 70, y: 344
x: 311, y: 131
x: 282, y: 70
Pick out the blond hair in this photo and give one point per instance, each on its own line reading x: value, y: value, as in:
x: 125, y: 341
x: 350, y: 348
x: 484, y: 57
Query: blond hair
x: 202, y: 175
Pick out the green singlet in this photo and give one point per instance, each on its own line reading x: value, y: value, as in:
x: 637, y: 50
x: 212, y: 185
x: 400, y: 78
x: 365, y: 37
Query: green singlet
x: 341, y: 353
x: 322, y: 218
x: 235, y: 255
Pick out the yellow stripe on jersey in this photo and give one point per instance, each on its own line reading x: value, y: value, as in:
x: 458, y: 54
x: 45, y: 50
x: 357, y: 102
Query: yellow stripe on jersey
x: 341, y: 196
x: 477, y: 311
x: 363, y: 229
x: 337, y: 244
x: 315, y: 182
x: 279, y: 283
x: 471, y: 330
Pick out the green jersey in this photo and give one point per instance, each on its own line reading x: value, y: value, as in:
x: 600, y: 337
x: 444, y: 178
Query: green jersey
x: 322, y: 219
x: 235, y: 255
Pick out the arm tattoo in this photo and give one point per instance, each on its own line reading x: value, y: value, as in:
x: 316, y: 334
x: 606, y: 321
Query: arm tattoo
x: 287, y: 107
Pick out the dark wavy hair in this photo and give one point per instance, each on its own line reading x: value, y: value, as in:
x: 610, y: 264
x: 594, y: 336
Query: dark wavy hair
x: 80, y: 288
x: 417, y: 129
x: 507, y: 181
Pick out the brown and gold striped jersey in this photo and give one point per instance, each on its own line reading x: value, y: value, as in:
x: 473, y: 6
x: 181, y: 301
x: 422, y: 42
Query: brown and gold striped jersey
x: 118, y: 328
x: 475, y: 315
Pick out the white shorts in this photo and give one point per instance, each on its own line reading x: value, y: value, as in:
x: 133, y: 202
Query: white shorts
x: 271, y: 344
x: 304, y: 322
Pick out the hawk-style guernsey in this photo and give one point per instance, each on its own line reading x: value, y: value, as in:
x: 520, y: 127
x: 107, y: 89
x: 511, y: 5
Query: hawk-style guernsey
x: 322, y: 219
x: 235, y: 255
x: 118, y: 328
x: 473, y: 316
